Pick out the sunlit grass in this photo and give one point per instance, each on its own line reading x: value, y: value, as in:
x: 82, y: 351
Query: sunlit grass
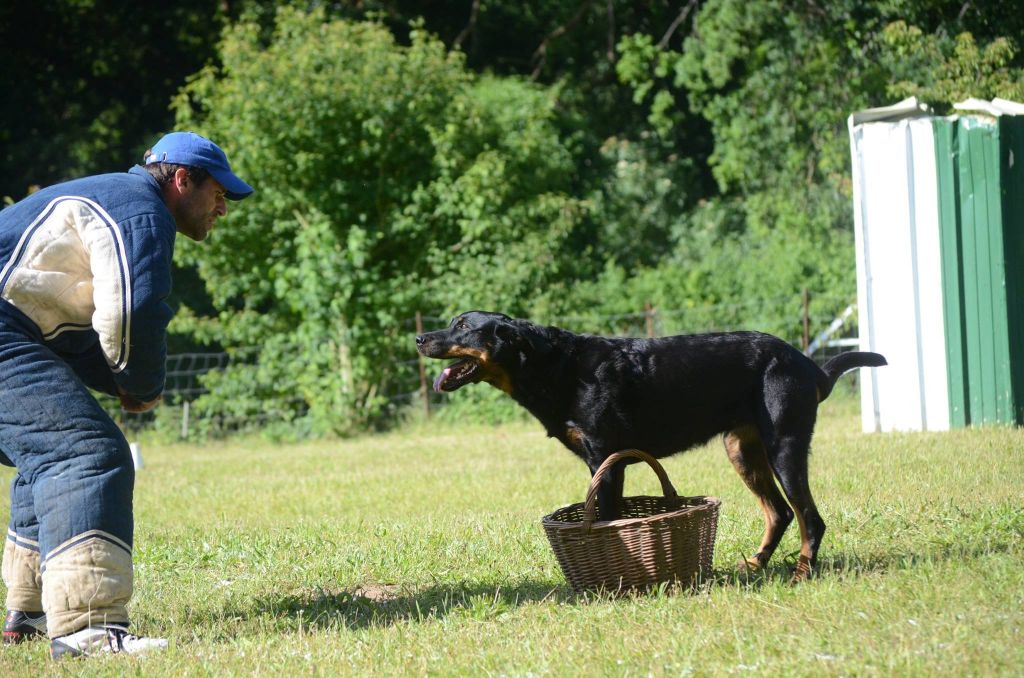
x: 421, y: 552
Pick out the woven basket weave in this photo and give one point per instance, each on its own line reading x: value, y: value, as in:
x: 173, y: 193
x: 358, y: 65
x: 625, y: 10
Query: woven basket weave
x: 658, y: 539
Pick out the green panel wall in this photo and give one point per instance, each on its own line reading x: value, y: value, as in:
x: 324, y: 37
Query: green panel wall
x: 1011, y: 131
x: 981, y: 208
x: 946, y: 149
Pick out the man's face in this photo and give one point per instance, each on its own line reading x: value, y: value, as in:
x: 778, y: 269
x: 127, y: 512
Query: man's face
x: 199, y: 206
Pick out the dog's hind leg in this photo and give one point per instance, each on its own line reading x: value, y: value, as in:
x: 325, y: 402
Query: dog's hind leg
x: 790, y: 464
x: 748, y: 457
x: 788, y: 446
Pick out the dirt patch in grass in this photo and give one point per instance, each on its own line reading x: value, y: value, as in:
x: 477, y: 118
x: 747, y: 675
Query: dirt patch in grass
x: 378, y: 593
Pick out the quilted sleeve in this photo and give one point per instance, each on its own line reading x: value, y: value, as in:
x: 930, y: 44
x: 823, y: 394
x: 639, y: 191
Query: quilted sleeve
x: 130, y: 288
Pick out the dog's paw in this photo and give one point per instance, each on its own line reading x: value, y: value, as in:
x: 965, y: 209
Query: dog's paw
x: 803, y: 571
x: 749, y: 565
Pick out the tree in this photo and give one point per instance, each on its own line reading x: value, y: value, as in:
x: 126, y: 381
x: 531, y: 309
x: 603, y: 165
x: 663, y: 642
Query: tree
x: 944, y: 70
x: 776, y: 81
x: 389, y: 179
x: 86, y: 83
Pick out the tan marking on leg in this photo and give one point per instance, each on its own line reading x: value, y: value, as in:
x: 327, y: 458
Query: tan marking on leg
x: 803, y: 565
x: 575, y: 438
x: 803, y: 570
x: 748, y: 457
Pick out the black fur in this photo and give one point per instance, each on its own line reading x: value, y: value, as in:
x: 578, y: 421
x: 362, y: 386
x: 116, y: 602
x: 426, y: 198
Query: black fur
x: 598, y: 395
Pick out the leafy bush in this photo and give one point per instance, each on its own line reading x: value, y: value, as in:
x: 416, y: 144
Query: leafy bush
x: 388, y: 180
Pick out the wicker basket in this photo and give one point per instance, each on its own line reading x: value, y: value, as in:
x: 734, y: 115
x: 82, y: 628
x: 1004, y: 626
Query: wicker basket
x: 658, y: 539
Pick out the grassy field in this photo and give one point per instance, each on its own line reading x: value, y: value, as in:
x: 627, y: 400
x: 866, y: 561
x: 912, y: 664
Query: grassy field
x: 421, y: 553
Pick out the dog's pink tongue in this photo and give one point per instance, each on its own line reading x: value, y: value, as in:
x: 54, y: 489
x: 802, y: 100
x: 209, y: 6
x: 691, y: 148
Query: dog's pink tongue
x: 440, y: 379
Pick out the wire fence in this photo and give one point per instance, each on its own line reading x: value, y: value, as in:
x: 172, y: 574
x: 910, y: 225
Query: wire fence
x: 186, y: 371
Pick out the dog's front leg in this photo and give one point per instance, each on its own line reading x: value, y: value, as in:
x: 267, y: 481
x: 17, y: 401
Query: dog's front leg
x: 609, y: 492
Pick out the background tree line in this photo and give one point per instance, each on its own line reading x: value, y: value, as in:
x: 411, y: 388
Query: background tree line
x: 542, y: 158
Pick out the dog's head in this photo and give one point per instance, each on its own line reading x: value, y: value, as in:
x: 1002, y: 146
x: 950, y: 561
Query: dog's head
x: 486, y: 347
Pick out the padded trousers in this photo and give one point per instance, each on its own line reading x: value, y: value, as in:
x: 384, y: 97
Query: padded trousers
x: 69, y: 542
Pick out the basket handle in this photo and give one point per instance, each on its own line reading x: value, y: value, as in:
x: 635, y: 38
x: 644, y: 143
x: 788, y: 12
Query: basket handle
x: 590, y: 505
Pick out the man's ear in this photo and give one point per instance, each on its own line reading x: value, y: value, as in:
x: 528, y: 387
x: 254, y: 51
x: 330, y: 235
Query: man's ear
x: 181, y: 179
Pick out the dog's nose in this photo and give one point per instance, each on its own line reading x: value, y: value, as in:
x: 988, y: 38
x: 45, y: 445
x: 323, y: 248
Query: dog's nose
x: 420, y: 339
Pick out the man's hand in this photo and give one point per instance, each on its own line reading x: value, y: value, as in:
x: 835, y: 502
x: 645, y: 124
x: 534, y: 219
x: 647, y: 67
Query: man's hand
x: 130, y: 404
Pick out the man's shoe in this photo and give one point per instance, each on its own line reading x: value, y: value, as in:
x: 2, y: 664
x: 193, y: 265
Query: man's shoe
x: 99, y: 639
x: 20, y: 626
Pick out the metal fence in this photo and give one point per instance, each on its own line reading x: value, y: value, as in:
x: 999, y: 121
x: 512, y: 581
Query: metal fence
x: 185, y: 371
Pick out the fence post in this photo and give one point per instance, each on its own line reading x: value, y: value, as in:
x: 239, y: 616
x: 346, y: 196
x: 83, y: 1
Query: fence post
x: 423, y: 369
x: 807, y: 321
x: 649, y: 319
x: 184, y: 419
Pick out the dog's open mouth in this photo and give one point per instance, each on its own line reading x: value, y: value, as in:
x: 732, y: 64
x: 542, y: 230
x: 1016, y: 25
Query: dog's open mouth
x: 457, y: 375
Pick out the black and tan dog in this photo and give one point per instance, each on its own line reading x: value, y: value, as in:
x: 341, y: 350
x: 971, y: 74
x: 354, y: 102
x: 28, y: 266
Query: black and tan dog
x: 598, y: 395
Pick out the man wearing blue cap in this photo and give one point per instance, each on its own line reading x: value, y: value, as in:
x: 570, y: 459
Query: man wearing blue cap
x: 85, y: 268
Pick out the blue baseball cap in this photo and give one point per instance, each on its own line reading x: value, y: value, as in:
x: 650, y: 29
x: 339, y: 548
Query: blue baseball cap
x: 188, y: 148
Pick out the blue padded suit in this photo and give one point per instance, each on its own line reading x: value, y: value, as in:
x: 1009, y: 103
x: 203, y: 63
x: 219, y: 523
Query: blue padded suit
x: 86, y: 269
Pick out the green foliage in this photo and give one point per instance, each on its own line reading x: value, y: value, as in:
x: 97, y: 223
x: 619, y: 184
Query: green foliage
x: 86, y: 82
x: 776, y: 81
x: 388, y: 180
x: 644, y: 66
x: 943, y: 70
x: 639, y: 203
x: 570, y: 161
x: 717, y: 276
x: 480, y: 405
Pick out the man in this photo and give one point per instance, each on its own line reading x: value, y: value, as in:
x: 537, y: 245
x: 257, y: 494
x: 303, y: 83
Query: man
x: 86, y: 267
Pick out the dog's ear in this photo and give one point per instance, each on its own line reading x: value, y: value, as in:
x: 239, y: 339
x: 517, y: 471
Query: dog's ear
x: 506, y: 332
x: 525, y: 337
x: 539, y: 342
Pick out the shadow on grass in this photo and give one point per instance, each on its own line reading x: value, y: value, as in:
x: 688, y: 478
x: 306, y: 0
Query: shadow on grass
x: 850, y: 565
x: 384, y: 605
x: 376, y: 605
x: 381, y: 605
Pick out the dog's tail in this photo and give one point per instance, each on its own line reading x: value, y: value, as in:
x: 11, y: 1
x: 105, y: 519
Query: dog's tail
x: 842, y: 363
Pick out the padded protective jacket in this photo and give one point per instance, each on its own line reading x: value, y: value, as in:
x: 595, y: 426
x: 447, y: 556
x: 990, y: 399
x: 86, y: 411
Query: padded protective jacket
x: 86, y: 268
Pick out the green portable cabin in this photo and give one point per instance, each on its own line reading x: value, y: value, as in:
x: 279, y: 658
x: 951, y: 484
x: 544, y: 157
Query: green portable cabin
x: 939, y: 224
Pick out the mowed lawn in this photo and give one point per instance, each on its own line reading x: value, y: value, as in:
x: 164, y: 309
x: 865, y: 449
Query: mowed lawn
x: 421, y: 552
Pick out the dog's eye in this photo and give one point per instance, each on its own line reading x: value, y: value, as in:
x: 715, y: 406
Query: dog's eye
x: 461, y: 325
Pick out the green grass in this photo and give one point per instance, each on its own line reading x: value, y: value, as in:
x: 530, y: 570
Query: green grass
x: 421, y: 552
